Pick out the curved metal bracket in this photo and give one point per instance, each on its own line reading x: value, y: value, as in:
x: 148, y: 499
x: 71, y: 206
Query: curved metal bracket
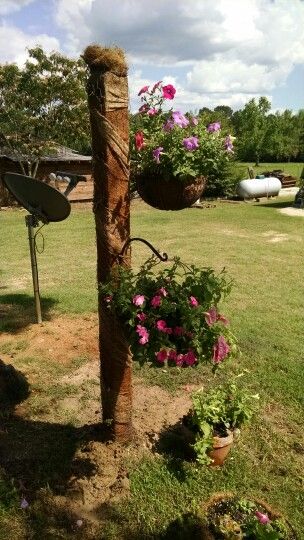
x: 162, y: 256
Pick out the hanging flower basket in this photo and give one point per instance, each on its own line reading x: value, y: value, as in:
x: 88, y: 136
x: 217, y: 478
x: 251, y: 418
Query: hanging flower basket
x: 171, y: 194
x: 171, y: 316
x: 172, y: 153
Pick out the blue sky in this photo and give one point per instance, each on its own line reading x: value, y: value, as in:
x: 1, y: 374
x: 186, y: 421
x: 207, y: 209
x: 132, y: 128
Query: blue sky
x: 214, y: 51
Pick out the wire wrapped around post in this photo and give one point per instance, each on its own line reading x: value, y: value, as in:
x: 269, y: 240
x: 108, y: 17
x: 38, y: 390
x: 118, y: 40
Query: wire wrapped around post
x: 107, y: 89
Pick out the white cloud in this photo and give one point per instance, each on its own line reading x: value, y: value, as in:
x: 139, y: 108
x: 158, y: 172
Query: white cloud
x: 9, y: 6
x: 220, y: 75
x: 232, y: 50
x: 18, y: 43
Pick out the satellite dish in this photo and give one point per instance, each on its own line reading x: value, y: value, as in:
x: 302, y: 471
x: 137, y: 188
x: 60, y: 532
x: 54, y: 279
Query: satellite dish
x: 44, y: 203
x: 40, y: 199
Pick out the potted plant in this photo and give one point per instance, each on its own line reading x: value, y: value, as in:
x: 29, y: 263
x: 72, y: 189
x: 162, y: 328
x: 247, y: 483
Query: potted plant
x: 231, y: 517
x: 173, y: 153
x: 215, y: 419
x: 171, y: 316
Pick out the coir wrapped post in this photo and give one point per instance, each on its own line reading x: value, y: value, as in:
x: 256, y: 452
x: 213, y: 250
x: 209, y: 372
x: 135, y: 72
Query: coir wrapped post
x: 108, y: 105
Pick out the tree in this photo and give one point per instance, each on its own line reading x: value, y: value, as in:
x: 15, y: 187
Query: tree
x: 252, y: 128
x: 43, y: 105
x: 224, y: 110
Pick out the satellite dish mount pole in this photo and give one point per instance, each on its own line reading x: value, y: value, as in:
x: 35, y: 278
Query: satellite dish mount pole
x: 31, y: 222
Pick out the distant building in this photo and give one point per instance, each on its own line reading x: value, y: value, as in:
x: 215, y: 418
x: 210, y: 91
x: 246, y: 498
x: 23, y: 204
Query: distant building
x: 64, y: 160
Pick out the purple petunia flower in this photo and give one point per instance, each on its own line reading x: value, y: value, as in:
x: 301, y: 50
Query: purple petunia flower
x: 180, y: 119
x: 190, y: 143
x: 228, y: 144
x: 156, y: 153
x: 215, y: 126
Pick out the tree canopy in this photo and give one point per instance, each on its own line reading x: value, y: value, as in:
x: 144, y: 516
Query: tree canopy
x: 43, y: 105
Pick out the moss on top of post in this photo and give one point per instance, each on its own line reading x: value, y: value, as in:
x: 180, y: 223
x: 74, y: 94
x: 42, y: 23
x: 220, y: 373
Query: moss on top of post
x: 107, y: 58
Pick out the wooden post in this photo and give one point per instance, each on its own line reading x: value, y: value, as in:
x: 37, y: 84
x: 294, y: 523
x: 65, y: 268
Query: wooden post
x: 108, y: 105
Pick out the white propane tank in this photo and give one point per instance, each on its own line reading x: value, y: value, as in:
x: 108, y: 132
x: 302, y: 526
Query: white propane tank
x: 253, y: 188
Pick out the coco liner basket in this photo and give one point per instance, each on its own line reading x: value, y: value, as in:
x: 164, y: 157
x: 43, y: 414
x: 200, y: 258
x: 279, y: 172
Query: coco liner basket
x: 228, y: 516
x: 171, y: 194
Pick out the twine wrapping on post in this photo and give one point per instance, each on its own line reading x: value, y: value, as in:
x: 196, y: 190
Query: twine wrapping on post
x: 108, y: 104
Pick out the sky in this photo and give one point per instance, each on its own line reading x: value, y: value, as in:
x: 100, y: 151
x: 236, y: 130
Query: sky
x: 215, y: 52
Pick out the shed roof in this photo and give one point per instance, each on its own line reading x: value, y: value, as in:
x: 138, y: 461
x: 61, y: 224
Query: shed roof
x: 63, y: 154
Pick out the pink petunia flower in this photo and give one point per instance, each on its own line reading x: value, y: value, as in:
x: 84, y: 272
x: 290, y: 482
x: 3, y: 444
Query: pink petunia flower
x: 169, y: 91
x: 156, y: 301
x: 190, y: 358
x: 138, y: 299
x: 172, y: 355
x: 143, y: 334
x: 143, y: 90
x: 156, y: 85
x: 141, y: 317
x: 263, y: 518
x: 139, y: 140
x: 179, y: 360
x: 157, y: 153
x: 194, y: 121
x: 161, y: 325
x: 162, y: 291
x: 220, y: 350
x: 178, y: 331
x: 212, y: 316
x: 143, y: 108
x: 161, y: 356
x: 152, y: 112
x: 215, y: 126
x: 193, y: 301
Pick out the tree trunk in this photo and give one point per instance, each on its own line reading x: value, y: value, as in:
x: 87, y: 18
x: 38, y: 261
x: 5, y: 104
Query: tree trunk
x: 108, y: 105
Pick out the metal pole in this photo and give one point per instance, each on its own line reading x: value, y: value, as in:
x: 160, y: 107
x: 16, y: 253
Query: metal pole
x: 31, y: 222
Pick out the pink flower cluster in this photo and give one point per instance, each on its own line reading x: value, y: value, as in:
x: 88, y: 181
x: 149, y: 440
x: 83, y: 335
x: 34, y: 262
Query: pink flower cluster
x: 168, y: 91
x: 221, y: 349
x: 188, y: 359
x: 212, y: 316
x: 138, y: 299
x: 263, y: 518
x: 143, y: 334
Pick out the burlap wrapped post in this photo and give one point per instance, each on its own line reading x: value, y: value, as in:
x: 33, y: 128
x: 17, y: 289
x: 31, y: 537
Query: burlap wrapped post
x: 108, y: 105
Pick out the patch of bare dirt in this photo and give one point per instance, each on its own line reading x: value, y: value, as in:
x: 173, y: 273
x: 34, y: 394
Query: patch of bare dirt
x: 274, y: 237
x: 61, y: 339
x: 290, y: 211
x: 95, y: 472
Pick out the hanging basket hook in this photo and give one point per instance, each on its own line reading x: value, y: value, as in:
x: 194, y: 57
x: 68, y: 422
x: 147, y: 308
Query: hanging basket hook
x: 161, y: 256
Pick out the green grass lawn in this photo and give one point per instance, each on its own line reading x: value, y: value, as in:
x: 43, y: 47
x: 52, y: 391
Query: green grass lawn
x: 294, y: 169
x: 262, y: 250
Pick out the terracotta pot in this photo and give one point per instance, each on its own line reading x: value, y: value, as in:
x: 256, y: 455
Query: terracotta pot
x: 221, y: 448
x: 221, y: 445
x: 171, y: 194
